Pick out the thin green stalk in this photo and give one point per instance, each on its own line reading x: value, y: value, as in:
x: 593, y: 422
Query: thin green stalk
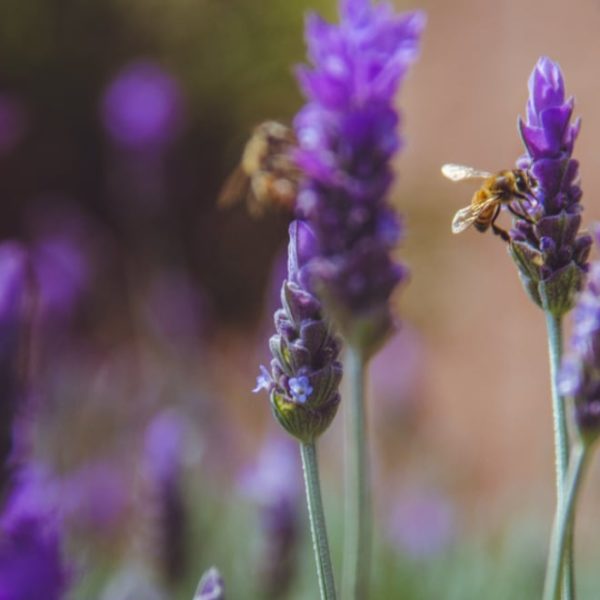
x: 357, y: 526
x: 316, y: 515
x: 561, y: 440
x: 563, y: 523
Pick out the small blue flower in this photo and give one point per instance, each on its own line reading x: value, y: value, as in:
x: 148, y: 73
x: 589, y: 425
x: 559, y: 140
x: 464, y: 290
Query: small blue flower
x: 300, y: 388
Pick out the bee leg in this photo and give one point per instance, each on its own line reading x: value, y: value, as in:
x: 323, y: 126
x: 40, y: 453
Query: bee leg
x: 520, y: 214
x: 498, y: 230
x: 501, y: 232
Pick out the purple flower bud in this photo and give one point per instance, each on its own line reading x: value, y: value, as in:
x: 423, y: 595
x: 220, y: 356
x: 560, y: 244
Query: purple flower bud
x: 546, y: 246
x: 211, y: 586
x: 347, y: 139
x: 142, y: 107
x: 579, y: 376
x: 304, y: 378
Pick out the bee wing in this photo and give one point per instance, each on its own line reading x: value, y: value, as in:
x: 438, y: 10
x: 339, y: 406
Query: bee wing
x: 465, y: 217
x: 461, y: 172
x: 235, y: 189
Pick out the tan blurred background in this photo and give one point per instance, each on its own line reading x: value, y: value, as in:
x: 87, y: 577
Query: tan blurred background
x: 485, y: 389
x: 461, y: 401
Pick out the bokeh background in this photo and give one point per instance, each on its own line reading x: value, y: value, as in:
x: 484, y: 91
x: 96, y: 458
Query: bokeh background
x: 119, y: 122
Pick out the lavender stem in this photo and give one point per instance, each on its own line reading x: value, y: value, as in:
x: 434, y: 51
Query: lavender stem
x: 563, y: 523
x: 317, y: 520
x: 561, y: 438
x: 357, y: 529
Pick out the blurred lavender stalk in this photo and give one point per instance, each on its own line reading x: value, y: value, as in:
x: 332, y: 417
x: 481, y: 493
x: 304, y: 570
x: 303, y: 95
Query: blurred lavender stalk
x: 579, y: 379
x: 347, y: 138
x: 274, y: 483
x: 164, y: 458
x: 16, y: 323
x: 546, y: 245
x: 211, y: 586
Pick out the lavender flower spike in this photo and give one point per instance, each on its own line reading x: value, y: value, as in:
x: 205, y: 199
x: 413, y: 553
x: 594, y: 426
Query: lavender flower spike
x: 550, y: 254
x: 305, y: 374
x: 347, y: 138
x: 580, y: 373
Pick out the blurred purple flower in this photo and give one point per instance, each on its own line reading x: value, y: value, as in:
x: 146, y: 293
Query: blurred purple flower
x: 347, y: 138
x: 305, y: 373
x: 96, y: 496
x: 62, y: 271
x: 211, y: 586
x: 422, y: 524
x: 176, y: 310
x: 579, y: 376
x: 164, y: 459
x: 142, y: 107
x: 396, y: 372
x: 15, y: 303
x: 275, y: 484
x: 13, y: 122
x: 32, y: 564
x: 551, y: 256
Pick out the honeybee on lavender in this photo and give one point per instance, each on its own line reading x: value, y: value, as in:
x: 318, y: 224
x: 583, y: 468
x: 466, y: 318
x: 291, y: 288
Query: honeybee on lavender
x: 267, y: 176
x: 497, y: 189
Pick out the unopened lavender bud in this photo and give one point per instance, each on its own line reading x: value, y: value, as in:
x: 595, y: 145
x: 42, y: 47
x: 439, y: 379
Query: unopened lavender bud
x: 549, y: 251
x: 305, y: 373
x: 211, y: 586
x: 347, y: 138
x: 580, y: 372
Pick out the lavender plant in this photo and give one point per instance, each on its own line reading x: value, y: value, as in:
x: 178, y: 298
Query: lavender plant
x: 546, y: 245
x: 579, y: 379
x: 303, y: 381
x: 347, y: 138
x: 549, y: 251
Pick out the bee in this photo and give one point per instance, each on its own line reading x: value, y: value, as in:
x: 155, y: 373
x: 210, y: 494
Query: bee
x: 497, y: 189
x: 267, y: 175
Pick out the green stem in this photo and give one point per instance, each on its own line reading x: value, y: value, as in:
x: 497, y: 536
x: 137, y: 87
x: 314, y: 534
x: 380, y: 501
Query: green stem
x: 357, y: 529
x: 317, y: 521
x: 561, y: 440
x: 563, y: 523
